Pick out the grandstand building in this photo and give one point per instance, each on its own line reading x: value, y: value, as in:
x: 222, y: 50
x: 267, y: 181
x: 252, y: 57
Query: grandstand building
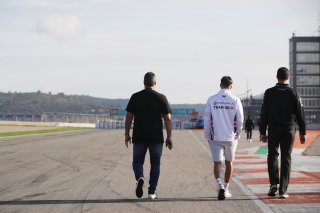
x: 305, y: 74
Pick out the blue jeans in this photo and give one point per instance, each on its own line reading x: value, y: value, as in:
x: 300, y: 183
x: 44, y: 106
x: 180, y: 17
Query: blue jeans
x: 139, y: 153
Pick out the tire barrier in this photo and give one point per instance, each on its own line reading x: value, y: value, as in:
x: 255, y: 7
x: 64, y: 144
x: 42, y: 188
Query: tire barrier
x: 110, y: 125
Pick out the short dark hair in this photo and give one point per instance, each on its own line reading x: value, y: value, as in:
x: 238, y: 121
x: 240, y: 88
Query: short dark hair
x: 226, y: 81
x: 149, y: 79
x: 283, y: 73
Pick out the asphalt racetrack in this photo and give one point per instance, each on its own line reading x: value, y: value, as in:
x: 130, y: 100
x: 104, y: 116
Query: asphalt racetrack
x: 90, y: 171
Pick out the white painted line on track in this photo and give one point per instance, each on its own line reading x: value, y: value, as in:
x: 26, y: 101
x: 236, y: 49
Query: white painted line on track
x: 251, y: 166
x: 264, y: 208
x: 293, y: 188
x: 296, y: 208
x: 305, y: 168
x: 251, y: 175
x: 247, y: 150
x: 254, y: 160
x: 265, y: 175
x: 201, y: 144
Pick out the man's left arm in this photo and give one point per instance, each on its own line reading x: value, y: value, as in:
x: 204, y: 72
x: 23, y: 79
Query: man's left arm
x: 166, y: 114
x: 240, y: 118
x: 300, y: 119
x: 167, y: 122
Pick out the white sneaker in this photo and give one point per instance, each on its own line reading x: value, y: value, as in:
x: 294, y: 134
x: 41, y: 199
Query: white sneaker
x: 284, y: 196
x: 227, y: 193
x: 153, y: 196
x: 250, y: 140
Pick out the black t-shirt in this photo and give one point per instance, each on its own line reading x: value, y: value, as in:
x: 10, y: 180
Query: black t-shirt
x: 148, y: 107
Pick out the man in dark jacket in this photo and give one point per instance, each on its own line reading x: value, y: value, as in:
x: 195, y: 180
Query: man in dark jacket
x: 147, y: 107
x: 281, y: 107
x: 249, y: 126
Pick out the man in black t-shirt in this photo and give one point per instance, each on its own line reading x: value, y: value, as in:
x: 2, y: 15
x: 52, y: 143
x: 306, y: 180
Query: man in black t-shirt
x: 147, y: 108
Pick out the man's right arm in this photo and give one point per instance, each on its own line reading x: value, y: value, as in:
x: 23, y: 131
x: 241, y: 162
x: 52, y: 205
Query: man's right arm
x: 129, y: 117
x: 263, y: 119
x: 208, y: 123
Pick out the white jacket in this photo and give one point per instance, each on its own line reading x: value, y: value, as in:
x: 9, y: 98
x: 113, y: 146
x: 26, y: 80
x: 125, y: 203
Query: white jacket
x: 223, y: 117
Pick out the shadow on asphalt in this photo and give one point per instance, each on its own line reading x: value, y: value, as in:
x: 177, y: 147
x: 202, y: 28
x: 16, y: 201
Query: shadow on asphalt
x: 143, y: 200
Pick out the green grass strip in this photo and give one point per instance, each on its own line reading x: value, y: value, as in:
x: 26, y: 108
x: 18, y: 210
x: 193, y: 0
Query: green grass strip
x: 43, y: 131
x: 263, y: 150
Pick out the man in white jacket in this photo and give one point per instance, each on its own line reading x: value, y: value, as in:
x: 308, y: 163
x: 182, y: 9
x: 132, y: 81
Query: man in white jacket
x: 223, y: 122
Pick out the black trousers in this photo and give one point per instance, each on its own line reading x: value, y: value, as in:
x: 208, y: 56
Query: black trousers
x: 249, y: 134
x: 282, y: 136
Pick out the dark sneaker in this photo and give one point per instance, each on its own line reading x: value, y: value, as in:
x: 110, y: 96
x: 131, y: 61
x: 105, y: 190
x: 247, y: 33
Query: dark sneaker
x: 284, y: 196
x: 139, y: 188
x: 221, y: 193
x: 272, y: 191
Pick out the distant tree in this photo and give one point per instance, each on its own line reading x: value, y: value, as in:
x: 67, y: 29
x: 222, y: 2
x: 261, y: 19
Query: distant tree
x: 39, y: 92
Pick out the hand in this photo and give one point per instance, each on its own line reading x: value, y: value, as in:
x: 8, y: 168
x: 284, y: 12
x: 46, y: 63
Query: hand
x: 237, y: 136
x: 303, y: 139
x: 127, y: 140
x: 264, y: 138
x: 169, y: 143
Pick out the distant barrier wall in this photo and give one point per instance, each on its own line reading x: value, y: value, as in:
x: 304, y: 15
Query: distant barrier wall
x: 98, y: 125
x: 82, y: 125
x: 121, y: 125
x: 27, y: 123
x: 46, y: 124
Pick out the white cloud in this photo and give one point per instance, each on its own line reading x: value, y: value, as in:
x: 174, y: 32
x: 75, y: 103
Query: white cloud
x: 61, y: 27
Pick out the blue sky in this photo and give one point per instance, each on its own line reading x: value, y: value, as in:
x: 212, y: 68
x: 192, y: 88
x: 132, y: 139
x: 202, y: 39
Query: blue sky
x: 104, y: 47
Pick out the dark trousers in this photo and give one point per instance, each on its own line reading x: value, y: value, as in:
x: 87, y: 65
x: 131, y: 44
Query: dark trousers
x: 139, y: 153
x: 282, y: 136
x: 249, y: 134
